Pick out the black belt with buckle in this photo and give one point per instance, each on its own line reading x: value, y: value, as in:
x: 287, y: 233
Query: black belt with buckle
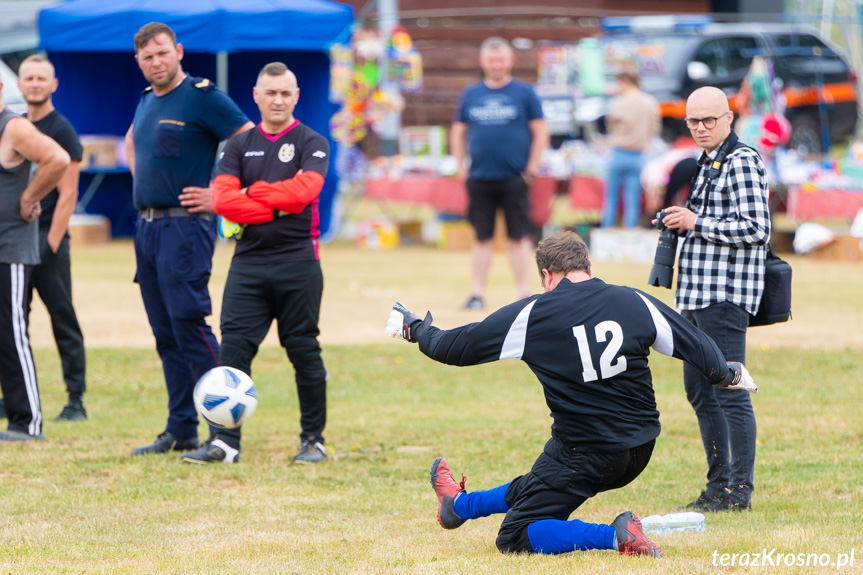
x: 150, y: 214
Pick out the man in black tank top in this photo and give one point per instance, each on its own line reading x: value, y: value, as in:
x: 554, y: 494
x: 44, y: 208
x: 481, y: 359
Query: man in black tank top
x: 20, y: 144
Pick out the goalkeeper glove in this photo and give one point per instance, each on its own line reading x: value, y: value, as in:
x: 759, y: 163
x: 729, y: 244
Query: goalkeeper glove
x: 739, y: 378
x: 228, y: 229
x: 403, y: 323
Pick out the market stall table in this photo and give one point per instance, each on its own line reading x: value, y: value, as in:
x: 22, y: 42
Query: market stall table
x: 823, y: 204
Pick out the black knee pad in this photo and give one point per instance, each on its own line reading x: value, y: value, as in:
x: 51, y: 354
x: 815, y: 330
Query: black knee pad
x: 238, y: 353
x: 305, y: 355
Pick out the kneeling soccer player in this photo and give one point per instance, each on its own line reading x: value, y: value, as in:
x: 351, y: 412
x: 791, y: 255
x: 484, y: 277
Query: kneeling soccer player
x: 587, y: 342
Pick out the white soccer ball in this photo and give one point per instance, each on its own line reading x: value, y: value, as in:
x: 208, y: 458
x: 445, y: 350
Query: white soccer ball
x: 225, y: 397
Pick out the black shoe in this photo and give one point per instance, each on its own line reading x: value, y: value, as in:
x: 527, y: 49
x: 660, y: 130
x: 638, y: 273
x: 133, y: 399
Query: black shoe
x: 214, y: 450
x: 2, y: 409
x: 310, y: 452
x: 165, y: 443
x: 73, y: 411
x: 14, y: 435
x: 474, y: 303
x: 709, y: 504
x: 739, y: 504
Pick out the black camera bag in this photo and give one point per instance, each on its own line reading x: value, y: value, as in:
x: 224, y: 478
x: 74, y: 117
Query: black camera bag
x: 775, y: 304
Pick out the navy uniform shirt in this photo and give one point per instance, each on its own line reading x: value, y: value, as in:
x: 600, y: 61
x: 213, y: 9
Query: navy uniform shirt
x: 254, y: 156
x: 58, y: 128
x: 176, y: 137
x: 587, y: 343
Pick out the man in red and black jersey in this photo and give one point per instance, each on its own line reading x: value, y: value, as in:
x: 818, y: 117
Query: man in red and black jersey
x: 269, y: 181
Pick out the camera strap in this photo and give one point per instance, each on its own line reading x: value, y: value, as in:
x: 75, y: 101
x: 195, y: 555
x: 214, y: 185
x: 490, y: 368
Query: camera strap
x: 714, y: 166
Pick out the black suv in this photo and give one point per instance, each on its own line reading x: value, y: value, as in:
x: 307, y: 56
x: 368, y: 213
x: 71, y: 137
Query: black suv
x: 819, y: 86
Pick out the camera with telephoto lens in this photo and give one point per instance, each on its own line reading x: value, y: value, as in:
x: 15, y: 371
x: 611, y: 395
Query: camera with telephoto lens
x: 662, y: 271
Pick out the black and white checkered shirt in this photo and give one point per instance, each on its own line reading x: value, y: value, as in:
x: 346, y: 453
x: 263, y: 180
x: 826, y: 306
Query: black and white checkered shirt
x: 723, y: 258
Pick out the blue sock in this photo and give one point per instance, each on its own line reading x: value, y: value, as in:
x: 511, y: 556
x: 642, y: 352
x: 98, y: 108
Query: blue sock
x: 552, y: 536
x: 482, y: 503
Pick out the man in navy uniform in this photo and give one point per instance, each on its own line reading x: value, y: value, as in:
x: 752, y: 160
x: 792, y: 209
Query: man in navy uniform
x: 588, y: 343
x: 171, y: 147
x: 269, y: 181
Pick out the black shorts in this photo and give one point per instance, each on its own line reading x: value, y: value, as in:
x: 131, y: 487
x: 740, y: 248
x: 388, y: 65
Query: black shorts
x: 487, y: 195
x: 563, y: 478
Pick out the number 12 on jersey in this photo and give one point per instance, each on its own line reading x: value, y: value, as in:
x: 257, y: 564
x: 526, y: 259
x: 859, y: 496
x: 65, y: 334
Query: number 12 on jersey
x: 609, y: 365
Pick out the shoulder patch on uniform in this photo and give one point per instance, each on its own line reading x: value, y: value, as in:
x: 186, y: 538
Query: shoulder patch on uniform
x: 320, y: 154
x: 204, y: 84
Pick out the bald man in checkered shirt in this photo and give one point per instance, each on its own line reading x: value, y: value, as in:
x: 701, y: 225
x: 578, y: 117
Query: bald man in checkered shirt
x: 726, y: 224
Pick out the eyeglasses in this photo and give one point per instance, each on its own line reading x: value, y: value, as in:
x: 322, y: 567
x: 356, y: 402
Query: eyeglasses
x: 709, y: 122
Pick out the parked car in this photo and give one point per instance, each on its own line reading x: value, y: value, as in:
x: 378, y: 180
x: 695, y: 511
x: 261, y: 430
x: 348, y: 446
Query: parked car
x: 676, y: 56
x: 12, y: 97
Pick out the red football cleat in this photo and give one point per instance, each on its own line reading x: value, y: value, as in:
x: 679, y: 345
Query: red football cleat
x: 446, y: 489
x: 631, y: 539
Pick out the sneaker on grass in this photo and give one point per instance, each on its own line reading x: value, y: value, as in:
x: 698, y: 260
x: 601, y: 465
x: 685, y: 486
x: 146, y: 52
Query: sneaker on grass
x: 214, y: 450
x: 310, y: 452
x: 73, y: 411
x: 474, y: 303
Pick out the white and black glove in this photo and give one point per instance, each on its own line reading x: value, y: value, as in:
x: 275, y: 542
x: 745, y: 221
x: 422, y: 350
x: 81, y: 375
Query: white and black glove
x: 403, y: 323
x: 739, y: 378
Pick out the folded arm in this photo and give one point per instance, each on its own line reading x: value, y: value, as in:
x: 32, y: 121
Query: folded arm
x: 230, y: 202
x: 291, y: 195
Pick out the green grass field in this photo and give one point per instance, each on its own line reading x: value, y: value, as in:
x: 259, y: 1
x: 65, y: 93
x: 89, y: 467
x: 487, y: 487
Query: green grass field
x: 78, y: 503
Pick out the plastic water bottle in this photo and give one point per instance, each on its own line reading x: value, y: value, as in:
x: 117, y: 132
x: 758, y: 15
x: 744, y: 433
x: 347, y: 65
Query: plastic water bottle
x: 688, y: 521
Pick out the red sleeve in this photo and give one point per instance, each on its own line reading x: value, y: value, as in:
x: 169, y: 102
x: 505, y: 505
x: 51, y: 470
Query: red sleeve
x: 291, y: 195
x: 231, y: 203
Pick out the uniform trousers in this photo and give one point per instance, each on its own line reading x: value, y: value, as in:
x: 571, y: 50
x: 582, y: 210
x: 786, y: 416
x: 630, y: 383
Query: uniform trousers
x: 174, y: 258
x: 52, y: 279
x: 17, y: 370
x: 290, y: 293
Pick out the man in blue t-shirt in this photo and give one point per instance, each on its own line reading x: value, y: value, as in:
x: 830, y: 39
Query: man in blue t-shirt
x: 501, y: 119
x: 171, y: 147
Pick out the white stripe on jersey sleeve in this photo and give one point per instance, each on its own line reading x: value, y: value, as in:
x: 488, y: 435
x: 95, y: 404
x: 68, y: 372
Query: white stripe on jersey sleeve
x: 513, y: 344
x: 664, y: 343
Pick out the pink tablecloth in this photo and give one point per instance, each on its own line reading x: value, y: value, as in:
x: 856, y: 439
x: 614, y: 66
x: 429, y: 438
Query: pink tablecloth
x: 585, y: 193
x: 823, y: 204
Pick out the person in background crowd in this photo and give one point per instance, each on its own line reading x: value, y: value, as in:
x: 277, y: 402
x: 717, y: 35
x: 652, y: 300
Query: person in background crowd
x: 633, y: 121
x: 501, y: 120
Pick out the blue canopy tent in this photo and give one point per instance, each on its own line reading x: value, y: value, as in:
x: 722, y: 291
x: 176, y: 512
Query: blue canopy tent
x: 91, y: 45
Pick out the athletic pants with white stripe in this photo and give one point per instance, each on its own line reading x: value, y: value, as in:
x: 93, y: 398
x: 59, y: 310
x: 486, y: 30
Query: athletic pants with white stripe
x: 17, y: 370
